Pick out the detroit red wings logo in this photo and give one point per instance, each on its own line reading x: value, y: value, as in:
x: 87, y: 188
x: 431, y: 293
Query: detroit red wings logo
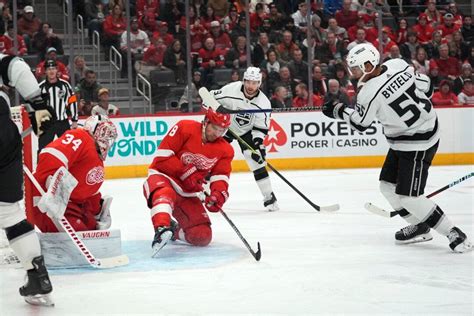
x: 95, y: 176
x: 200, y: 161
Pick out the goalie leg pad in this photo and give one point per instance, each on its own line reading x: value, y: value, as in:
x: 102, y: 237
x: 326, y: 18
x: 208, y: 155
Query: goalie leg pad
x: 200, y: 235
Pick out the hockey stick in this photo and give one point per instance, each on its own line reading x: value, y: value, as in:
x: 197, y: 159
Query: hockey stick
x: 104, y: 263
x: 380, y: 211
x: 208, y: 100
x: 329, y: 208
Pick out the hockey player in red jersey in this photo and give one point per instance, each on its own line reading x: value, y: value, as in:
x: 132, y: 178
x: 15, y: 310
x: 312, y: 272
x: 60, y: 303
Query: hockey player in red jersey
x: 190, y: 152
x: 82, y: 151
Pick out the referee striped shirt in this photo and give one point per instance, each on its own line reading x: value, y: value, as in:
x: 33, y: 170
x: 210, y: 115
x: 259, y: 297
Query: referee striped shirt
x: 61, y: 98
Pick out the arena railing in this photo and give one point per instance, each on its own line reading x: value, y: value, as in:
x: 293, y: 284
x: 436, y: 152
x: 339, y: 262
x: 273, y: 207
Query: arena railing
x: 96, y: 51
x: 115, y: 59
x: 144, y: 89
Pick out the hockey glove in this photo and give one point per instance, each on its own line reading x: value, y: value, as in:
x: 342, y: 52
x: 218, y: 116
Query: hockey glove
x: 215, y: 201
x: 333, y: 109
x: 192, y: 178
x: 43, y: 116
x: 260, y: 152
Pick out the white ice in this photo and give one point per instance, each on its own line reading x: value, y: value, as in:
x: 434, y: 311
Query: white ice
x: 312, y: 263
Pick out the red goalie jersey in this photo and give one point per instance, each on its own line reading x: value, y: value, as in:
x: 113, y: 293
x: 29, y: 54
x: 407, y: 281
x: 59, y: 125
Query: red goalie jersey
x: 183, y: 146
x: 76, y: 150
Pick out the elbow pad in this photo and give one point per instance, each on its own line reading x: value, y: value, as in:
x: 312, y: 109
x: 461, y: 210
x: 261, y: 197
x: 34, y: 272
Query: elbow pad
x: 16, y: 73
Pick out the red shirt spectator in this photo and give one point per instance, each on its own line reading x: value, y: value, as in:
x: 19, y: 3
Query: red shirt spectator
x: 387, y: 43
x: 221, y: 39
x: 448, y: 66
x: 444, y: 97
x: 114, y: 25
x: 210, y: 56
x: 423, y: 30
x: 302, y: 97
x: 402, y: 32
x: 7, y: 44
x: 145, y: 6
x: 155, y: 53
x: 448, y: 27
x: 147, y: 22
x: 256, y: 18
x: 163, y: 33
x: 352, y: 31
x: 346, y: 17
x: 63, y: 72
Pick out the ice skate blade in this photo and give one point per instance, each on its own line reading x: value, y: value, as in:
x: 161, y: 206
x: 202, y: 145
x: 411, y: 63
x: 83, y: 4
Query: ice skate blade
x: 40, y: 300
x: 417, y: 239
x: 463, y: 247
x: 272, y: 207
x: 165, y: 238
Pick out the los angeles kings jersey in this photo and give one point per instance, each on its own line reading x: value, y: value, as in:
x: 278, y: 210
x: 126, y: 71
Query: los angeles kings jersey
x: 182, y: 146
x: 232, y: 97
x: 399, y: 99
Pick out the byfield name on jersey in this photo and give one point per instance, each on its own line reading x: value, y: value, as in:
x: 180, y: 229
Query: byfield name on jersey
x: 396, y: 84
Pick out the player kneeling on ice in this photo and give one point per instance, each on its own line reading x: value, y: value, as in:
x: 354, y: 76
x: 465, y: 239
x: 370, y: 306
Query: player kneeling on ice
x: 82, y: 152
x: 189, y: 153
x: 400, y: 99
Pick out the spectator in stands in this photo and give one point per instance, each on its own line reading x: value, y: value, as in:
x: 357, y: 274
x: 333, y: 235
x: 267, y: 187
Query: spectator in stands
x: 423, y: 29
x: 257, y: 17
x: 287, y: 46
x: 95, y: 12
x: 221, y: 39
x: 466, y: 73
x: 433, y: 15
x: 298, y: 67
x: 331, y: 51
x: 279, y: 99
x: 175, y: 59
x: 343, y: 78
x: 44, y: 39
x: 301, y: 100
x: 277, y: 19
x: 239, y: 29
x: 317, y: 31
x: 319, y: 81
x: 453, y: 9
x: 210, y: 58
x: 220, y: 7
x: 183, y: 102
x: 7, y: 43
x: 5, y: 18
x: 231, y: 19
x: 449, y: 67
x: 62, y: 71
x: 311, y: 43
x: 286, y: 81
x: 148, y: 6
x: 162, y: 32
x: 272, y: 65
x: 80, y: 68
x: 457, y: 47
x: 346, y: 17
x: 237, y: 56
x: 448, y: 27
x: 299, y: 17
x: 260, y: 49
x: 335, y: 93
x: 421, y: 62
x: 409, y: 48
x: 207, y: 16
x: 172, y: 13
x: 395, y: 53
x: 432, y: 48
x: 387, y: 42
x: 466, y: 97
x: 234, y: 75
x: 147, y: 22
x: 360, y: 39
x: 359, y: 25
x: 113, y: 27
x: 435, y: 77
x: 139, y: 43
x: 103, y: 107
x: 153, y: 58
x: 87, y: 90
x: 402, y: 32
x: 28, y: 25
x: 467, y: 30
x: 444, y: 97
x: 333, y: 27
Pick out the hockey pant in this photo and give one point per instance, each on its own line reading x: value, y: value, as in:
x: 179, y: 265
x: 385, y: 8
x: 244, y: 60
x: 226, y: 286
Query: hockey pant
x: 164, y: 202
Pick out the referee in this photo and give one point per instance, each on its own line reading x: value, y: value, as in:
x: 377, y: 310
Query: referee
x: 62, y: 99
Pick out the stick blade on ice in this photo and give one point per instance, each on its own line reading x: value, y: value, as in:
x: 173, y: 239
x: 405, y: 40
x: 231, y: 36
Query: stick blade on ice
x: 330, y: 208
x: 113, y: 262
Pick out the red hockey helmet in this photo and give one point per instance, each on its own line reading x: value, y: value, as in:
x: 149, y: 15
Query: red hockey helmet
x: 103, y: 131
x: 219, y: 119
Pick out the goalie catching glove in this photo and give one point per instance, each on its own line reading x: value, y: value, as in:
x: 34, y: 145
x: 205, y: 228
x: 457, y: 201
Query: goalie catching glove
x: 334, y: 109
x: 215, y: 200
x: 260, y: 152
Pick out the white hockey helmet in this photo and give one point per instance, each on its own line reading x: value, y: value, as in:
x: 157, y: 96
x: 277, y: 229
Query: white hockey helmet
x: 253, y: 74
x: 103, y: 131
x: 361, y: 54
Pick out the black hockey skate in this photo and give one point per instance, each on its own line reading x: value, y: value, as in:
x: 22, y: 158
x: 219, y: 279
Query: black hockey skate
x: 458, y: 241
x: 38, y: 286
x: 163, y: 235
x: 413, y: 234
x: 271, y: 203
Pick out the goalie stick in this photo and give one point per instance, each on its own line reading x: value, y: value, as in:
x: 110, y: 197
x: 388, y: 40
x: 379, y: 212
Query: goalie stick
x: 104, y: 263
x: 389, y: 214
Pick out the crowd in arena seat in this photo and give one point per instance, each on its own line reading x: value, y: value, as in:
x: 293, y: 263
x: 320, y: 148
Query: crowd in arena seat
x: 435, y: 37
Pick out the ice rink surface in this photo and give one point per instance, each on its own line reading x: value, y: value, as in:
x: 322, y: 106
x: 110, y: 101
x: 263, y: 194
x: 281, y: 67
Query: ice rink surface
x: 312, y: 263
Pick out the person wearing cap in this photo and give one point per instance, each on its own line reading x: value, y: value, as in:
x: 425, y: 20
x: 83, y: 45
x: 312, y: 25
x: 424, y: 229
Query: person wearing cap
x: 28, y: 25
x: 448, y: 27
x: 445, y: 96
x: 139, y: 43
x: 45, y: 39
x: 221, y: 39
x: 103, y: 107
x: 183, y: 102
x: 162, y: 32
x: 62, y: 99
x: 466, y: 97
x: 423, y: 29
x: 7, y: 42
x: 51, y: 53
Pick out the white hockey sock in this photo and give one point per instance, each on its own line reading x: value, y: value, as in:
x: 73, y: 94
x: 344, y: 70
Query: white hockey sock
x: 26, y: 247
x: 265, y: 187
x: 388, y: 191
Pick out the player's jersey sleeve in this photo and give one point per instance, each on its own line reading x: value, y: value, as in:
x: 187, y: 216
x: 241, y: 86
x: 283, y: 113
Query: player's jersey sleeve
x: 65, y: 151
x: 228, y: 95
x: 220, y: 173
x: 365, y: 110
x: 423, y: 83
x: 166, y: 159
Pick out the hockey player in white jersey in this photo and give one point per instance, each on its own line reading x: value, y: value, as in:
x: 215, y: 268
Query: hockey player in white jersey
x: 14, y: 72
x: 251, y: 127
x: 400, y: 99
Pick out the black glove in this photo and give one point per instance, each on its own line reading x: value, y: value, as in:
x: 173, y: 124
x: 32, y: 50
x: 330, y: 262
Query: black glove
x: 260, y: 152
x: 333, y: 109
x: 43, y: 116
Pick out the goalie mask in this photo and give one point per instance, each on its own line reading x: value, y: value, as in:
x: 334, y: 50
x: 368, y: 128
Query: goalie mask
x: 103, y: 131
